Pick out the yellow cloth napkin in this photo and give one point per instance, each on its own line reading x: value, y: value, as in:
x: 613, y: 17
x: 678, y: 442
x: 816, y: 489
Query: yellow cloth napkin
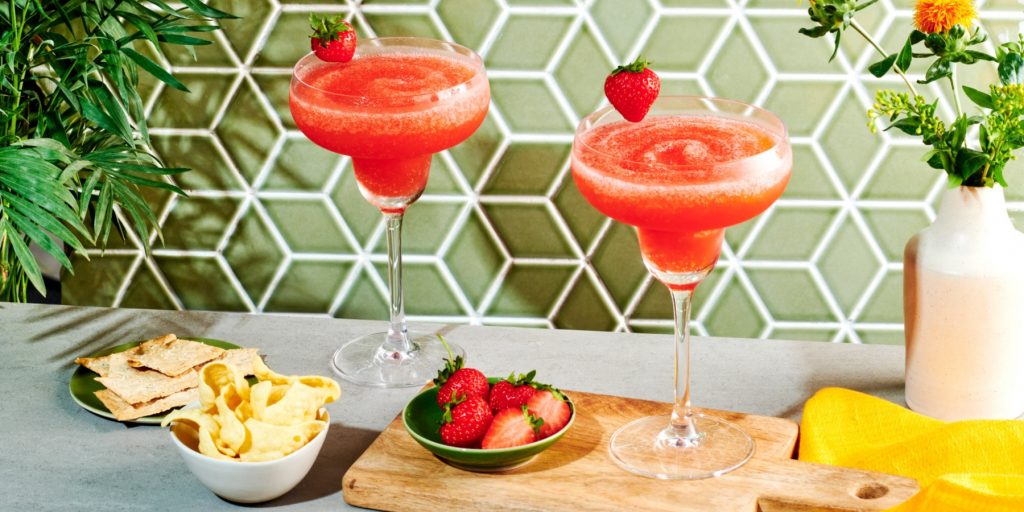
x: 961, y: 466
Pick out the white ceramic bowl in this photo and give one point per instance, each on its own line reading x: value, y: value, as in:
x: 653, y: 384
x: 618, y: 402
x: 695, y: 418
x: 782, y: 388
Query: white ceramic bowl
x: 247, y: 482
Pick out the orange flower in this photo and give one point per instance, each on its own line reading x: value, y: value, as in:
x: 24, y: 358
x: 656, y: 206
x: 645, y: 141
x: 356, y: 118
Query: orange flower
x: 933, y: 16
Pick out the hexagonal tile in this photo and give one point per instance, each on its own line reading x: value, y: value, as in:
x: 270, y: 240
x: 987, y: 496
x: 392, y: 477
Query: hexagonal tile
x: 790, y: 295
x: 583, y: 220
x: 213, y: 54
x: 735, y: 315
x: 307, y: 226
x: 789, y: 51
x: 195, y: 109
x: 903, y: 176
x: 893, y: 228
x: 360, y: 216
x: 424, y: 228
x: 530, y: 291
x: 301, y: 165
x: 529, y: 106
x: 584, y: 308
x: 848, y: 143
x: 581, y: 73
x: 274, y: 86
x: 308, y: 286
x: 146, y: 292
x: 241, y: 31
x: 809, y: 180
x: 802, y: 334
x: 802, y: 105
x: 209, y: 170
x: 95, y: 281
x: 848, y: 265
x: 886, y: 303
x: 527, y: 42
x: 473, y: 155
x: 248, y: 131
x: 617, y: 260
x: 386, y: 24
x: 620, y: 22
x: 287, y: 41
x: 363, y: 301
x: 792, y: 234
x: 527, y: 168
x: 528, y: 230
x: 198, y: 223
x: 468, y: 21
x: 736, y: 72
x: 694, y: 33
x: 200, y: 283
x: 474, y: 258
x: 253, y: 254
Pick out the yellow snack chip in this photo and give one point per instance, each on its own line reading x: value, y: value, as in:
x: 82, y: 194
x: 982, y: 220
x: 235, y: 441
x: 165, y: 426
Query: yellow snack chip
x: 265, y: 421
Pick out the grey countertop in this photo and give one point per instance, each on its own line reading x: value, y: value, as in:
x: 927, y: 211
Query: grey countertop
x: 58, y: 456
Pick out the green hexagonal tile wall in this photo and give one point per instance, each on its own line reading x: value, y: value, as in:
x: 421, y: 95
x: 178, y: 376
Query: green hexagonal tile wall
x: 502, y: 235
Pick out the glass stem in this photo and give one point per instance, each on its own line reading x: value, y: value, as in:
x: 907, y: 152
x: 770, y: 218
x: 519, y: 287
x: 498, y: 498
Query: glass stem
x: 682, y: 413
x: 398, y: 336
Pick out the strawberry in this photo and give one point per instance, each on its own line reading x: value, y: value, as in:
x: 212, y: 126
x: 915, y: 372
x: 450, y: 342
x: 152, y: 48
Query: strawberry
x: 632, y: 89
x: 333, y: 39
x: 549, y: 405
x: 465, y: 422
x: 458, y: 382
x: 512, y: 427
x: 512, y: 392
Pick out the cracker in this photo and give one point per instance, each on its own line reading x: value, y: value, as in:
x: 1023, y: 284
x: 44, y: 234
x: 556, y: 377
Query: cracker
x: 173, y: 356
x: 101, y: 365
x: 241, y: 358
x: 125, y: 411
x: 137, y: 386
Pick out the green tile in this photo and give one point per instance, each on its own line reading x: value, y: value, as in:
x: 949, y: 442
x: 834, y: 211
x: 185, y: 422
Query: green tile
x: 198, y: 223
x: 893, y: 229
x: 848, y: 143
x: 879, y: 337
x: 195, y: 109
x: 695, y: 3
x: 424, y: 227
x: 360, y: 216
x: 656, y: 304
x: 735, y: 315
x: 620, y: 22
x: 473, y: 155
x: 552, y: 3
x: 853, y: 45
x: 681, y: 87
x: 902, y: 175
x: 247, y: 131
x: 680, y: 43
x: 802, y: 105
x: 364, y: 301
x: 527, y: 42
x: 886, y: 304
x: 527, y: 168
x: 584, y: 309
x: 618, y: 263
x: 809, y: 179
x: 848, y: 265
x: 792, y: 234
x: 288, y: 40
x: 213, y: 54
x: 528, y: 230
x: 529, y: 106
x: 253, y: 255
x: 307, y: 226
x: 790, y: 295
x: 145, y: 292
x: 736, y: 235
x: 308, y: 286
x: 404, y: 25
x: 209, y: 170
x: 736, y: 71
x: 468, y: 21
x: 301, y: 165
x: 474, y: 259
x: 200, y: 283
x: 242, y: 32
x: 583, y: 220
x: 790, y: 51
x: 275, y: 88
x: 581, y: 73
x: 426, y: 292
x: 530, y: 291
x: 95, y: 281
x: 652, y: 329
x: 442, y: 178
x: 824, y: 335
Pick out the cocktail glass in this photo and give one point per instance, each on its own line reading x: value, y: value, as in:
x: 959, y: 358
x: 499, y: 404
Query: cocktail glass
x: 399, y: 101
x: 691, y: 168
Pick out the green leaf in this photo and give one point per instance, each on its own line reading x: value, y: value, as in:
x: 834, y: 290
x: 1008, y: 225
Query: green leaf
x: 969, y: 162
x: 916, y: 36
x: 184, y: 40
x: 1010, y: 69
x: 980, y: 55
x: 906, y: 55
x: 205, y: 10
x: 939, y: 69
x: 981, y: 99
x: 154, y: 69
x: 880, y: 68
x: 27, y: 260
x: 907, y: 125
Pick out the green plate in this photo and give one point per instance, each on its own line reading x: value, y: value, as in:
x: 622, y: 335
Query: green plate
x: 422, y: 417
x: 83, y: 383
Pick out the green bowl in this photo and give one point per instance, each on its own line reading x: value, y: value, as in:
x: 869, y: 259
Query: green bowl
x: 422, y: 419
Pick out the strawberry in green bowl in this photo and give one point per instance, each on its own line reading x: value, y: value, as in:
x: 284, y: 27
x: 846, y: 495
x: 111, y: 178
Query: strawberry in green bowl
x: 504, y: 431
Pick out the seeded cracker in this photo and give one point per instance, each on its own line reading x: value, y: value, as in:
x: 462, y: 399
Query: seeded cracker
x: 173, y: 356
x: 136, y: 386
x: 125, y: 411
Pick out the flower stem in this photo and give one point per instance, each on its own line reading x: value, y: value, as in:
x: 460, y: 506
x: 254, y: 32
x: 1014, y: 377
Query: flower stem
x: 956, y: 97
x: 860, y: 30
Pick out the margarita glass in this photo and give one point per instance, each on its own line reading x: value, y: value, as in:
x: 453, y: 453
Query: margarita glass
x: 395, y: 104
x: 691, y: 168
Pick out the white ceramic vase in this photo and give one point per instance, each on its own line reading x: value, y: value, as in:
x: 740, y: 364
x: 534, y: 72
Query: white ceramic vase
x: 963, y: 310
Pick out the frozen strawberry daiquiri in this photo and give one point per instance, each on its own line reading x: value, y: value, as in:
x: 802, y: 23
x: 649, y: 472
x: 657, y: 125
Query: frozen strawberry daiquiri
x: 390, y: 108
x: 691, y: 168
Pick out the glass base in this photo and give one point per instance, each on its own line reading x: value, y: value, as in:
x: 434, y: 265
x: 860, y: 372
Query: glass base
x: 365, y: 362
x: 649, y: 447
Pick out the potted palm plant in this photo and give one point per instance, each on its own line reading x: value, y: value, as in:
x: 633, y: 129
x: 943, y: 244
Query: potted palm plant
x: 75, y: 155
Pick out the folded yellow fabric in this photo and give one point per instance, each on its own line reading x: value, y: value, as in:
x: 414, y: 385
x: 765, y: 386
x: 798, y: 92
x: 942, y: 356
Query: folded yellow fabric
x: 961, y: 466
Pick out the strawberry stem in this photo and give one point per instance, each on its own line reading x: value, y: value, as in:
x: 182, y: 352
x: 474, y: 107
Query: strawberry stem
x: 444, y: 342
x: 637, y: 66
x: 328, y: 28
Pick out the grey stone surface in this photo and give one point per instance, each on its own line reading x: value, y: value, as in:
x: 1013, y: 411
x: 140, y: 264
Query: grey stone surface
x: 57, y: 456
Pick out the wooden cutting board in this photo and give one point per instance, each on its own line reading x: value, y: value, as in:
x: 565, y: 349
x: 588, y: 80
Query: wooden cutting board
x: 397, y: 474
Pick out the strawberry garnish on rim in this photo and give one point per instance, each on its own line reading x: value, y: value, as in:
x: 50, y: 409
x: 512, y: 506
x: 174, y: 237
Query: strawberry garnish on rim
x: 632, y: 88
x: 333, y: 39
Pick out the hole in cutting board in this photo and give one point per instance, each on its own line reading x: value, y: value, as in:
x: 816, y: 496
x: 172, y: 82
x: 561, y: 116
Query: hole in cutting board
x: 871, y: 491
